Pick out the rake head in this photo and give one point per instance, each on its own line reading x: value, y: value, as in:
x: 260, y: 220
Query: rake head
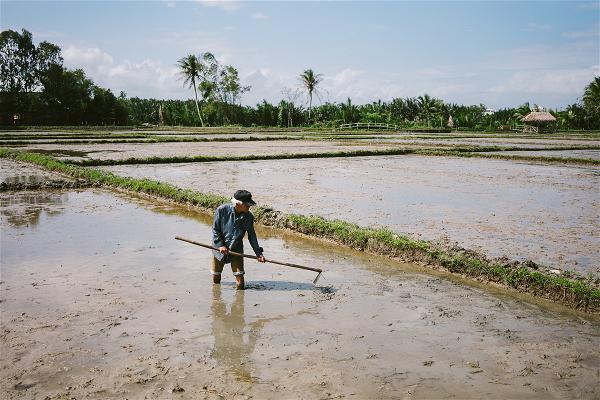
x: 317, y: 278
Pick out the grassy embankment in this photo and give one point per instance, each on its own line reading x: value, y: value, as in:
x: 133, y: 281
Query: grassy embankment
x: 576, y: 292
x: 471, y: 151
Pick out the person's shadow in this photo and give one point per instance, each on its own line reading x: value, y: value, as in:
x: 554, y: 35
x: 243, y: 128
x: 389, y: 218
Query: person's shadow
x: 230, y: 349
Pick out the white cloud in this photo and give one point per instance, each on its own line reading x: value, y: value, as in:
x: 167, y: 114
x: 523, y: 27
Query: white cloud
x: 77, y: 57
x: 541, y: 57
x: 592, y: 32
x: 225, y: 5
x: 265, y: 85
x: 148, y: 78
x: 562, y: 81
x: 259, y: 16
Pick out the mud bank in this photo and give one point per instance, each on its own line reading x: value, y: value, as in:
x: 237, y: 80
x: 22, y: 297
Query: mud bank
x: 584, y: 154
x: 546, y: 213
x: 15, y: 176
x: 121, y: 151
x: 99, y: 301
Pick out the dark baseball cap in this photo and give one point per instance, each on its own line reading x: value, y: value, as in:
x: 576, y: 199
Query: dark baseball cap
x: 245, y: 197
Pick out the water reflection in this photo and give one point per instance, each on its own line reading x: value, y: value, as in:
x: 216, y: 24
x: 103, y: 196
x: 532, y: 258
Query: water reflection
x: 23, y: 179
x: 23, y: 209
x: 230, y: 349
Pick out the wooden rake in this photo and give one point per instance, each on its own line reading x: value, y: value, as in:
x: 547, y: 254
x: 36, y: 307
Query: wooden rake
x: 320, y: 271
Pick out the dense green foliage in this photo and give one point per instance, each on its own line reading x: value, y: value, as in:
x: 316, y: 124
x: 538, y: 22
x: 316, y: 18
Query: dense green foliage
x: 36, y: 88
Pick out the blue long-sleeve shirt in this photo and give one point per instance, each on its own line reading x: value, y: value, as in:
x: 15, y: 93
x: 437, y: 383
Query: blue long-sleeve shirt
x: 229, y: 229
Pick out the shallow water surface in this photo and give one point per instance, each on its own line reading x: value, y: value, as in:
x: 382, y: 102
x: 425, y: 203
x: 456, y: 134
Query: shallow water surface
x: 547, y: 213
x: 120, y: 151
x: 99, y: 301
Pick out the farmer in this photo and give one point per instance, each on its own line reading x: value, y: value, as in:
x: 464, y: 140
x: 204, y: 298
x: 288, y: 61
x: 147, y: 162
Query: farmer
x: 232, y: 221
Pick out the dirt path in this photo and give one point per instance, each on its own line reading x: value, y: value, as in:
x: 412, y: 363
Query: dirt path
x: 98, y: 301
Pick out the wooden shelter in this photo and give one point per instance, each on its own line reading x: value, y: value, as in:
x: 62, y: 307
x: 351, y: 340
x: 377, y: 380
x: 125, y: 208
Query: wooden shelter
x: 539, y: 121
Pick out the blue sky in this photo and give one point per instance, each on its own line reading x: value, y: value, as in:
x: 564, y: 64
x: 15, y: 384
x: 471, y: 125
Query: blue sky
x: 497, y: 53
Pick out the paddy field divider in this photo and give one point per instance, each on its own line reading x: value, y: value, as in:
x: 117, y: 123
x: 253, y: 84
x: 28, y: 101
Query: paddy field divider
x: 469, y: 152
x: 574, y: 291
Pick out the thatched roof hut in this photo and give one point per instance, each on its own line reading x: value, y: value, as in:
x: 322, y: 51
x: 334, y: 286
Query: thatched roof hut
x: 539, y: 116
x: 539, y: 121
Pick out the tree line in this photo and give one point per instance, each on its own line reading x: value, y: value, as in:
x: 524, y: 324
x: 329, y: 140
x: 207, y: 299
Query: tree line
x: 37, y: 89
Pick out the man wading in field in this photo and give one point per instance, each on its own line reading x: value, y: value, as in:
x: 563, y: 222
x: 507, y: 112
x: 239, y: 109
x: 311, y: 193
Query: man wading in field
x: 232, y: 221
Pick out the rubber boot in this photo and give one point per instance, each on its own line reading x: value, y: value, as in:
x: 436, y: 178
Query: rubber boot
x: 216, y: 279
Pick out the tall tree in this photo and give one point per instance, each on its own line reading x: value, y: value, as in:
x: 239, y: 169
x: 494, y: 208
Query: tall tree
x: 591, y: 96
x: 191, y: 70
x: 428, y: 107
x: 310, y: 81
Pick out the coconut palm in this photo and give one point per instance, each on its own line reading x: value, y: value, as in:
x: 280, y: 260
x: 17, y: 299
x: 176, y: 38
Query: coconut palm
x: 310, y: 81
x: 521, y: 111
x: 428, y: 106
x: 190, y: 69
x: 591, y: 96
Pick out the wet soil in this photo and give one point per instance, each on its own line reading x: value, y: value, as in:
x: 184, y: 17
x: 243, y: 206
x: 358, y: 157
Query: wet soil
x: 99, y: 301
x: 546, y: 213
x: 13, y: 171
x: 119, y: 151
x: 489, y: 141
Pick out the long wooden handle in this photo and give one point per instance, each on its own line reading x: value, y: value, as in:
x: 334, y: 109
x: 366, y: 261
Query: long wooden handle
x: 248, y: 255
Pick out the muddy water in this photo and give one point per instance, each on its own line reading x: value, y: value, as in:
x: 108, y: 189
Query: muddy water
x: 119, y: 151
x: 12, y: 172
x: 546, y: 213
x: 99, y: 301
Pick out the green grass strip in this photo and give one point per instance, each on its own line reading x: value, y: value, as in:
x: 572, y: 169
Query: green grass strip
x: 575, y: 292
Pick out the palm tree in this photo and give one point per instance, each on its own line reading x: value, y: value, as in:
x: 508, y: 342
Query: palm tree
x: 190, y: 69
x: 428, y: 106
x: 591, y: 96
x: 310, y: 81
x: 521, y: 112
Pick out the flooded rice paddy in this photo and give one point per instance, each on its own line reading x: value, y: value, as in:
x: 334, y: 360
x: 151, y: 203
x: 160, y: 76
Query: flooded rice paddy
x: 12, y: 172
x: 99, y: 301
x: 120, y: 151
x: 547, y: 213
